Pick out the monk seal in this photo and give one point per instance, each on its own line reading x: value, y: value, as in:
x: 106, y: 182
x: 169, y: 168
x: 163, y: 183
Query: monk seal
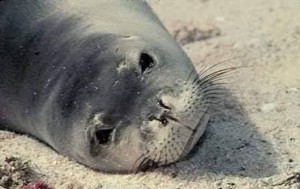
x: 99, y: 81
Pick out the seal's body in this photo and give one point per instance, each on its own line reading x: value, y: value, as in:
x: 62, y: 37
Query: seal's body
x: 100, y: 81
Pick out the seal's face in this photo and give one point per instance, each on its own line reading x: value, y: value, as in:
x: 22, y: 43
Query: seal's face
x: 142, y: 106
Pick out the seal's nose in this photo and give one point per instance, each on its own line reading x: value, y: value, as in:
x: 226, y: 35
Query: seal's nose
x: 165, y: 114
x: 166, y: 102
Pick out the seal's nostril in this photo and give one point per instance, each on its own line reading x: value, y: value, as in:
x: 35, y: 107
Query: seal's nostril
x: 160, y: 102
x: 146, y: 62
x: 164, y: 120
x: 151, y: 118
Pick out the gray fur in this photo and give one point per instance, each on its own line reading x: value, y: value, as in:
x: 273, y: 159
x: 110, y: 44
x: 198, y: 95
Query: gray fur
x: 71, y: 70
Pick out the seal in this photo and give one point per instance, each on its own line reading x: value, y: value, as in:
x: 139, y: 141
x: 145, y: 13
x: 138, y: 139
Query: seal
x: 101, y: 82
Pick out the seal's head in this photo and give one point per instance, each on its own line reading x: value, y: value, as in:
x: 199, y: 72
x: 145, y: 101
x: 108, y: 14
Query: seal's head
x: 133, y: 104
x: 131, y: 95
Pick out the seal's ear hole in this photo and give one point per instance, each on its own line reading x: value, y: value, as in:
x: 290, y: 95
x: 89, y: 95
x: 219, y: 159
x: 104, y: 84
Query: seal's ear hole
x: 103, y: 135
x: 146, y: 62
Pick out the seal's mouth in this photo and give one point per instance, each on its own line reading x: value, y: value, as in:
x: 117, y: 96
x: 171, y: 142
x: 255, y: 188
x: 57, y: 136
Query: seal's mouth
x: 197, y: 133
x: 170, y: 148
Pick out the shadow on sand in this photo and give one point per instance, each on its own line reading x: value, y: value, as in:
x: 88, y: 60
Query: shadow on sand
x: 230, y: 146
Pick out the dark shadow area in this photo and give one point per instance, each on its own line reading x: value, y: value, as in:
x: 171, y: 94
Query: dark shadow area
x: 230, y: 146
